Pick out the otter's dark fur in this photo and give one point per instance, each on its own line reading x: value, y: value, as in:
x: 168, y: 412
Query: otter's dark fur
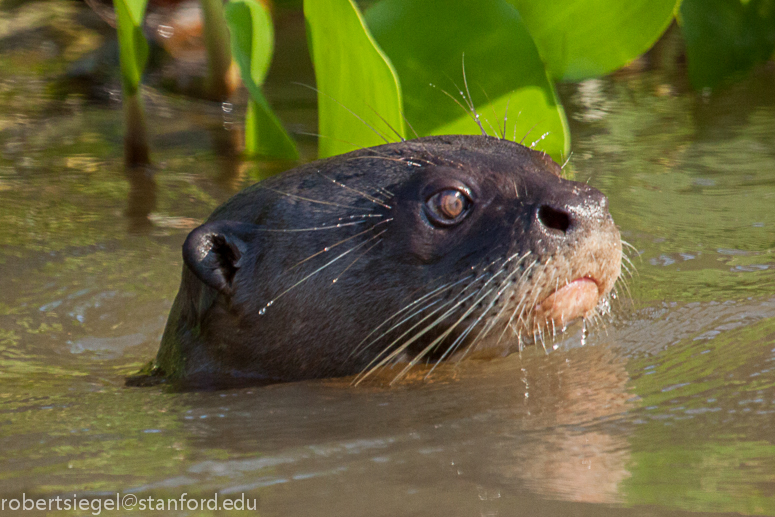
x: 353, y: 262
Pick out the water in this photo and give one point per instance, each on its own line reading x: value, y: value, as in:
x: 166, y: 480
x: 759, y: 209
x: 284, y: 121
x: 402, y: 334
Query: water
x: 668, y: 409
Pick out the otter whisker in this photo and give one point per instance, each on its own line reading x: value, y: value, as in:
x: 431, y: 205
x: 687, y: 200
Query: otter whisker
x: 626, y: 287
x: 362, y: 216
x: 409, y: 317
x: 341, y: 140
x: 566, y: 160
x: 404, y: 345
x: 328, y: 248
x: 468, y: 112
x: 439, y: 339
x: 519, y: 306
x: 376, y: 132
x: 475, y: 341
x: 366, y: 196
x: 514, y: 136
x: 528, y: 132
x: 385, y: 191
x: 541, y: 138
x: 321, y: 268
x: 506, y: 117
x: 495, y: 115
x: 458, y: 341
x: 335, y: 280
x: 416, y: 135
x: 541, y: 338
x: 626, y: 259
x: 296, y: 196
x: 290, y: 230
x: 628, y: 245
x: 501, y: 289
x: 399, y: 135
x: 395, y: 353
x: 439, y: 290
x: 417, y: 336
x: 470, y: 100
x: 389, y: 159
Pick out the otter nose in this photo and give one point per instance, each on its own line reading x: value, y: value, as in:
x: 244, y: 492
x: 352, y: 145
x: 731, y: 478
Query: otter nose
x: 581, y: 207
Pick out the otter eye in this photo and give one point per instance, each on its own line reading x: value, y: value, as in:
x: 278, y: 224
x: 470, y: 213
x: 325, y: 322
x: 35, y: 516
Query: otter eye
x: 448, y: 206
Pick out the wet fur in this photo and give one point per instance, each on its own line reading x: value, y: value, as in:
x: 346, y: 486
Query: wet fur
x: 339, y: 272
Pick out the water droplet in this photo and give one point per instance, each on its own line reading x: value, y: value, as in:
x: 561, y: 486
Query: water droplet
x: 165, y: 31
x: 325, y: 249
x: 334, y: 280
x: 555, y: 346
x: 270, y: 303
x: 262, y: 311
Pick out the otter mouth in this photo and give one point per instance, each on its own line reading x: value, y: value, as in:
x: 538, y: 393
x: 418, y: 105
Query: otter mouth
x: 577, y: 299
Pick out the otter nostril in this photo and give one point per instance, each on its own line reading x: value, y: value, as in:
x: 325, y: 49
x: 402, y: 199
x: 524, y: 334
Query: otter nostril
x: 553, y: 218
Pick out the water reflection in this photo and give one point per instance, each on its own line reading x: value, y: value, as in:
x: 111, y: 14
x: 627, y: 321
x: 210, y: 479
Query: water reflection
x: 141, y: 200
x: 534, y: 423
x: 671, y: 406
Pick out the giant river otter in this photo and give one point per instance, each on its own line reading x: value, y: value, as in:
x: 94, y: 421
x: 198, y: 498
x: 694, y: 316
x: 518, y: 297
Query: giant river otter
x: 423, y: 250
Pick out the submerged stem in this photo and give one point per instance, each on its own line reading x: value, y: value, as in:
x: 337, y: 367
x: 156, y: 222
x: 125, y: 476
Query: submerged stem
x: 136, y: 152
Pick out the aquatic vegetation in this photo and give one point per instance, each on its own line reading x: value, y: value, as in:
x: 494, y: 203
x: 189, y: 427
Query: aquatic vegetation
x: 404, y: 68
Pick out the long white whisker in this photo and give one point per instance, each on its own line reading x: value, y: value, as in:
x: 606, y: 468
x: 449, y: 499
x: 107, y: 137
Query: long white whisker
x: 329, y: 248
x: 321, y: 268
x: 395, y: 353
x: 316, y: 228
x: 367, y: 196
x: 335, y: 280
x: 440, y: 338
x: 376, y: 132
x: 438, y: 291
x: 296, y: 196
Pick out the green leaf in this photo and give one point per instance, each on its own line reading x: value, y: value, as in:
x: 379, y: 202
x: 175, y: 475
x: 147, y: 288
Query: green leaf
x: 252, y: 34
x: 725, y: 38
x: 136, y: 10
x: 579, y: 39
x: 133, y: 48
x: 427, y: 42
x: 252, y: 43
x: 357, y: 86
x: 264, y: 134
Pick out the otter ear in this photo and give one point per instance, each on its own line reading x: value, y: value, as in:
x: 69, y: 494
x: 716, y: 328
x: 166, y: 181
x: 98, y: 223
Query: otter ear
x: 214, y: 252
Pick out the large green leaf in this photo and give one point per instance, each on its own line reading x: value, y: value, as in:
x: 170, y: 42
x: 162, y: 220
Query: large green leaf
x: 133, y: 48
x: 725, y: 38
x: 252, y: 43
x: 359, y: 96
x: 588, y: 38
x: 427, y: 42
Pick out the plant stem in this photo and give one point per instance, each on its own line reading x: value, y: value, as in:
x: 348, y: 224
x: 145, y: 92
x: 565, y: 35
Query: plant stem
x: 221, y: 77
x: 251, y: 129
x: 136, y: 135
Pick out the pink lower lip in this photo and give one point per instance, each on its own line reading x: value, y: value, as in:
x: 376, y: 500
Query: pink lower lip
x: 574, y: 300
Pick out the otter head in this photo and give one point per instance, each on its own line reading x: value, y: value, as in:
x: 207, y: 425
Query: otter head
x: 420, y: 250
